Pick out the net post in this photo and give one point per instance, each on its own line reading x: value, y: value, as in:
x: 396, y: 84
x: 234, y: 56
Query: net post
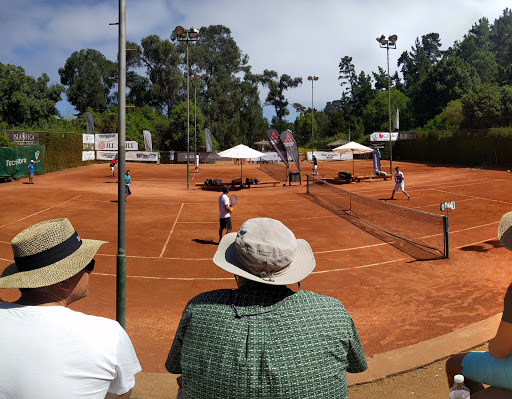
x: 307, y: 185
x: 446, y: 229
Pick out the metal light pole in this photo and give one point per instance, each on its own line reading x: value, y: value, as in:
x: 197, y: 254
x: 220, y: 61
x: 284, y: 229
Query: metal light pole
x: 195, y: 77
x: 121, y: 204
x: 388, y: 43
x: 312, y: 78
x: 187, y: 35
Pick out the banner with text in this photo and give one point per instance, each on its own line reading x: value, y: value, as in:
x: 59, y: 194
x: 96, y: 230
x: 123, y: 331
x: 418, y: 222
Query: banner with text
x: 291, y: 146
x: 330, y: 156
x: 144, y: 156
x: 277, y: 144
x: 88, y: 156
x: 14, y: 161
x: 383, y: 136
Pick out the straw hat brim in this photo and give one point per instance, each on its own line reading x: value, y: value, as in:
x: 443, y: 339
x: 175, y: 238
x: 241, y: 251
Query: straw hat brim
x: 302, y: 265
x: 505, y: 230
x: 54, y: 273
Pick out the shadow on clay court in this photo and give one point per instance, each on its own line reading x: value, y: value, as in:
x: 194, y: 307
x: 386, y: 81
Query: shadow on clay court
x: 481, y: 248
x: 206, y: 242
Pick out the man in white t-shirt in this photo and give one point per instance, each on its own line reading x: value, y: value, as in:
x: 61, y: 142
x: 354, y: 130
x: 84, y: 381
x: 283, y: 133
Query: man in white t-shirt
x: 49, y: 351
x: 225, y: 213
x: 399, y: 183
x: 197, y: 164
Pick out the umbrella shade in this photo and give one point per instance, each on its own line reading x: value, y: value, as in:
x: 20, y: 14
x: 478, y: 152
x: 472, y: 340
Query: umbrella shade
x: 354, y: 148
x: 240, y: 151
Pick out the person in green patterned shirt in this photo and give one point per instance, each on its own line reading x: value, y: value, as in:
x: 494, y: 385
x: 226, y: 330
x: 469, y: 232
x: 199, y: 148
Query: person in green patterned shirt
x: 264, y: 340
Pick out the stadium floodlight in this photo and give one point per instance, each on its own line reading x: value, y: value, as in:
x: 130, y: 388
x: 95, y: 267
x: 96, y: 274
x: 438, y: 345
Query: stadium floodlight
x: 389, y: 43
x: 313, y: 79
x: 187, y: 35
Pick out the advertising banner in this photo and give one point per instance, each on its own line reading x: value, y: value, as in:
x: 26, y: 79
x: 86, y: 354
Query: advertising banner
x: 291, y: 146
x: 90, y: 122
x: 131, y: 146
x: 14, y: 161
x: 330, y: 156
x: 88, y: 138
x: 105, y: 142
x: 88, y: 156
x: 277, y: 144
x: 144, y: 156
x: 208, y: 137
x: 23, y: 138
x: 383, y: 136
x: 148, y: 140
x: 376, y: 161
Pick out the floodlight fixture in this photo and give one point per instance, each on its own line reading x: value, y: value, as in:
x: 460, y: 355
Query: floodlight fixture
x: 389, y: 43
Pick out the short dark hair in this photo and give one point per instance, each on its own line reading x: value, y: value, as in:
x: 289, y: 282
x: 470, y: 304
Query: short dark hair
x: 225, y: 189
x: 397, y: 168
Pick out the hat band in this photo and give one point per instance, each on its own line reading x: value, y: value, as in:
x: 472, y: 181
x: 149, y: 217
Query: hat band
x: 49, y: 256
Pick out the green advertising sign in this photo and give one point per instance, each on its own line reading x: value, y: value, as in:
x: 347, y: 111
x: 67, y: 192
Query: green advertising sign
x: 14, y: 161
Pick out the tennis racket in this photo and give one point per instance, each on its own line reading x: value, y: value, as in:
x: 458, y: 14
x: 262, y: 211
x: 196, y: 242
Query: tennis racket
x: 234, y: 200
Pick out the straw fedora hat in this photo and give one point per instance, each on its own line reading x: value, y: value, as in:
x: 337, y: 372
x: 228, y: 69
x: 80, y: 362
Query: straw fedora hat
x: 47, y: 253
x: 505, y: 230
x: 265, y: 250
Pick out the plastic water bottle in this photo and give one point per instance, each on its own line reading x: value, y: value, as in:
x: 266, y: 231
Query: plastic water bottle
x: 459, y: 390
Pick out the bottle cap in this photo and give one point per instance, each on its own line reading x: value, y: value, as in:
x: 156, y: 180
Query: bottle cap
x: 459, y: 378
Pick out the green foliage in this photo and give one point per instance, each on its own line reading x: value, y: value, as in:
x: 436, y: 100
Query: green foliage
x: 175, y: 137
x: 24, y: 100
x: 62, y: 150
x: 87, y: 73
x: 4, y: 141
x: 376, y: 114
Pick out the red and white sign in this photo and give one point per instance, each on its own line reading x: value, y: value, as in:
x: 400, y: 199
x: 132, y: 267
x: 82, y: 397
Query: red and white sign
x: 383, y: 136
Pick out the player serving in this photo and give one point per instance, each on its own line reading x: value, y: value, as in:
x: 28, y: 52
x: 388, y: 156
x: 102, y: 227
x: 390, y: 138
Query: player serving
x: 399, y: 183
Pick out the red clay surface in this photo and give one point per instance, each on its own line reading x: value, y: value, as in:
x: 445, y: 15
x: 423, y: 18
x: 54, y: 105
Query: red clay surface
x: 394, y: 300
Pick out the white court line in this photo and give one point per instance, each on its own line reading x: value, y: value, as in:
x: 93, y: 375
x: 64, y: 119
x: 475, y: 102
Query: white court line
x: 44, y: 210
x: 351, y: 249
x: 315, y: 272
x: 473, y: 197
x: 170, y: 233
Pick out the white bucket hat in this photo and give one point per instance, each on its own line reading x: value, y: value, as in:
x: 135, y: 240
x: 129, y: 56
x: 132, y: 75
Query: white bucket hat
x: 505, y: 230
x: 47, y: 253
x: 265, y: 250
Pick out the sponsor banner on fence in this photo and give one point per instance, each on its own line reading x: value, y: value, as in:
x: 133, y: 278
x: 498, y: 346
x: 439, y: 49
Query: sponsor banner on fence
x: 407, y: 136
x: 23, y: 138
x: 145, y: 156
x: 14, y: 161
x: 88, y: 138
x: 329, y: 156
x: 88, y: 156
x: 383, y: 136
x: 106, y: 142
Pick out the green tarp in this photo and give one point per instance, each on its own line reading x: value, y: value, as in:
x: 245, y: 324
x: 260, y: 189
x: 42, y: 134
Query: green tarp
x: 14, y: 161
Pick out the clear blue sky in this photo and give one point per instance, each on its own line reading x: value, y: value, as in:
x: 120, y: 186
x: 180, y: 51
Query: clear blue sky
x: 296, y: 37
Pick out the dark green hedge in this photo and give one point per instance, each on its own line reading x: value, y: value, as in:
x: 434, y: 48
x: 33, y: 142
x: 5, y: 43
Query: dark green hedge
x: 466, y: 147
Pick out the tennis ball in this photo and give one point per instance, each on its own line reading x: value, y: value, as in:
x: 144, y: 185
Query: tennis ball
x: 508, y: 171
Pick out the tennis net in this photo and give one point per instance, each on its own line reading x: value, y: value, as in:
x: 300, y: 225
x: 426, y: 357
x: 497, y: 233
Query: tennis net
x: 278, y: 171
x: 422, y: 235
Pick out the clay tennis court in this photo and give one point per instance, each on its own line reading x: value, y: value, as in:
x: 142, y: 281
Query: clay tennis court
x: 395, y: 300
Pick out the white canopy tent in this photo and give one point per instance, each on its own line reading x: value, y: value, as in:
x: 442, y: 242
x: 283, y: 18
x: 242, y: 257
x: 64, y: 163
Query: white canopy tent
x: 354, y: 148
x: 240, y: 151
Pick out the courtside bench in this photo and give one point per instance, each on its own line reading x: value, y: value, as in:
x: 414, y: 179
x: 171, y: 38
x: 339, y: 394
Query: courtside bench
x: 237, y: 185
x: 359, y: 179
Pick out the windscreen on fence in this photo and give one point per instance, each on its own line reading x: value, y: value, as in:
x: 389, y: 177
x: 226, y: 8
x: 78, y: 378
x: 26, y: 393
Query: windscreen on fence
x: 14, y: 161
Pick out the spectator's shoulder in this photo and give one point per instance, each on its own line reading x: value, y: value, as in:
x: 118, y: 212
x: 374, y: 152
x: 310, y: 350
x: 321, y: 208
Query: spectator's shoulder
x: 323, y: 300
x: 212, y: 297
